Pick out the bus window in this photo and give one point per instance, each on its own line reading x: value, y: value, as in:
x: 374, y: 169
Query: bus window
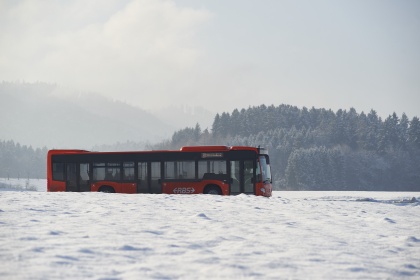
x: 186, y: 170
x: 98, y: 171
x: 84, y: 171
x: 128, y: 171
x: 265, y: 168
x: 170, y: 170
x: 202, y: 168
x: 84, y: 185
x: 142, y: 181
x: 211, y: 166
x: 142, y: 171
x: 71, y: 179
x: 106, y: 171
x: 258, y: 172
x: 179, y: 170
x: 248, y: 176
x: 155, y: 177
x: 58, y: 171
x: 235, y: 175
x: 113, y: 172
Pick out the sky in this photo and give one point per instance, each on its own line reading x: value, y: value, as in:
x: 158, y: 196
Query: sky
x: 220, y: 55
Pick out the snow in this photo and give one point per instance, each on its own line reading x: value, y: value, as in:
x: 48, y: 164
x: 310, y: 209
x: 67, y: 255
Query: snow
x: 8, y: 184
x: 298, y: 235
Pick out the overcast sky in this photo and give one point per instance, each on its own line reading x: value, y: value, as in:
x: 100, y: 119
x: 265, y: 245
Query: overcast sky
x: 221, y: 54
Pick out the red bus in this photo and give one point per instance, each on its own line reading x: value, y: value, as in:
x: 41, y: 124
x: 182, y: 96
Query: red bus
x: 218, y: 170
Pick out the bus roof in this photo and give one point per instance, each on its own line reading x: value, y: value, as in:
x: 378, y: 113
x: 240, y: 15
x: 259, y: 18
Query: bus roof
x: 182, y: 149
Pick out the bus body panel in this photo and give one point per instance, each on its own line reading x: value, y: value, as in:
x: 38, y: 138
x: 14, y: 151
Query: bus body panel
x: 56, y: 186
x: 263, y: 189
x: 118, y: 187
x: 181, y: 188
x: 193, y: 187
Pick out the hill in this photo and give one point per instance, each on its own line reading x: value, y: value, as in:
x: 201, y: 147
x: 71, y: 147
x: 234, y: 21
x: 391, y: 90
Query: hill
x: 42, y: 114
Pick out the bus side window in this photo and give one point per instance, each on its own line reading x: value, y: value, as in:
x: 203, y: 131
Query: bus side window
x: 58, y: 171
x: 170, y: 170
x: 186, y: 169
x: 84, y: 172
x: 128, y: 171
x: 203, y: 168
x: 211, y: 166
x: 142, y: 171
x: 235, y: 176
x: 113, y: 171
x: 98, y: 171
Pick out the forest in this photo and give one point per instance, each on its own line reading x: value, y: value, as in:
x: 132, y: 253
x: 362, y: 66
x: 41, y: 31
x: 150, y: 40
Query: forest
x: 310, y: 149
x: 21, y: 161
x: 318, y: 149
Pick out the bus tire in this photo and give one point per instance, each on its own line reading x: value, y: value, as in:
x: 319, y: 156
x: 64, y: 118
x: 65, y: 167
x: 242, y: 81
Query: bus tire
x: 212, y: 189
x: 106, y: 189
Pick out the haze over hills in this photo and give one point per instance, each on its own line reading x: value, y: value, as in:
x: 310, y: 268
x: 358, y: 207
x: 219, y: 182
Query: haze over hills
x: 310, y: 149
x: 186, y: 116
x: 40, y: 114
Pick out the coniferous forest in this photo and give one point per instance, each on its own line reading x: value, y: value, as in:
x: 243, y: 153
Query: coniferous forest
x: 318, y: 149
x: 21, y: 161
x: 310, y: 149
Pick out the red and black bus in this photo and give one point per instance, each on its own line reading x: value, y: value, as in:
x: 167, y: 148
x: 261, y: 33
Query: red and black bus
x: 218, y: 170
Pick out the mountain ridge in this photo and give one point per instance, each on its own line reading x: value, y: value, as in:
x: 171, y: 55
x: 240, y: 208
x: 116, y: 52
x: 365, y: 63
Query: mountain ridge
x: 40, y: 115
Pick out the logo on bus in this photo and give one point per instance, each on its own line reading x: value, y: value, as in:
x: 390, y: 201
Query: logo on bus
x: 184, y: 190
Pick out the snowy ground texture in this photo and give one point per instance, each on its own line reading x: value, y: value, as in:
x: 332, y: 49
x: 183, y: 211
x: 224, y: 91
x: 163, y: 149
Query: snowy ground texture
x: 292, y: 235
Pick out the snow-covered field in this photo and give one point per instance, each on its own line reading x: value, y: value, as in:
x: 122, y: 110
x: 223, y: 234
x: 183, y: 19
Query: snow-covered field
x: 292, y: 235
x: 13, y: 184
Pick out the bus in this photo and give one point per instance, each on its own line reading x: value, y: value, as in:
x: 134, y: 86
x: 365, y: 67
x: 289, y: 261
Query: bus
x: 219, y: 170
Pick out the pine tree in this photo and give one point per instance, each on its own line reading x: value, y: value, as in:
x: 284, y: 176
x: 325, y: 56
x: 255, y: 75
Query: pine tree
x: 414, y: 133
x: 197, y: 132
x: 402, y: 131
x: 216, y: 128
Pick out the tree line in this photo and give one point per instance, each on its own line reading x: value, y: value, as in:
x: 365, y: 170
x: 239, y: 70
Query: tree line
x: 310, y: 149
x: 21, y: 161
x: 318, y: 149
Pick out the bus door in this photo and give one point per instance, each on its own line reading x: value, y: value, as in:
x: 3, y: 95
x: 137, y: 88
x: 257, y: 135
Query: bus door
x: 143, y: 185
x: 155, y: 177
x: 84, y: 177
x: 242, y: 174
x: 71, y: 177
x: 77, y: 177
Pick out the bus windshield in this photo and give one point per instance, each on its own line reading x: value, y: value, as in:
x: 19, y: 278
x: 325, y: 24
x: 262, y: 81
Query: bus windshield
x: 265, y: 169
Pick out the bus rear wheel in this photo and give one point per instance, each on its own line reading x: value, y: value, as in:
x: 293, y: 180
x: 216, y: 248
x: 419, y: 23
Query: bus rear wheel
x: 106, y: 189
x: 214, y: 190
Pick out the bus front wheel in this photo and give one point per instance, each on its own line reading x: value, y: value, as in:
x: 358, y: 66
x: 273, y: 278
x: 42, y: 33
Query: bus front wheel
x: 214, y: 190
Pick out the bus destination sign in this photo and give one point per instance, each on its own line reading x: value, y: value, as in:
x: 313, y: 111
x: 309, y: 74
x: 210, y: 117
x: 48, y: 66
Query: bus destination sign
x: 211, y: 155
